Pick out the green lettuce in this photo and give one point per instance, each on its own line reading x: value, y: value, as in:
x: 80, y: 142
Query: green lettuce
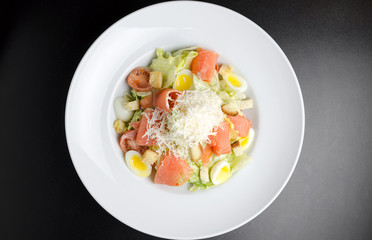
x: 203, y: 85
x: 223, y: 157
x: 136, y: 117
x: 195, y: 178
x: 184, y: 51
x: 200, y: 84
x: 169, y: 64
x: 215, y: 83
x: 133, y: 96
x: 200, y: 185
x: 183, y: 58
x: 233, y: 93
x: 238, y: 162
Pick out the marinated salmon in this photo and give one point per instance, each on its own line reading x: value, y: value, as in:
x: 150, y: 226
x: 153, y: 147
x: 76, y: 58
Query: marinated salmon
x: 207, y: 153
x: 141, y: 139
x: 165, y: 98
x: 241, y: 125
x: 221, y: 141
x: 204, y: 64
x: 173, y: 171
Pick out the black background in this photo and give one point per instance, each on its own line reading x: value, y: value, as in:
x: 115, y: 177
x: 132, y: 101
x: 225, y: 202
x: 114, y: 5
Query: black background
x: 329, y: 44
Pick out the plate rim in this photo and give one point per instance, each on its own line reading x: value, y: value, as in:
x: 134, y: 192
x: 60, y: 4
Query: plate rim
x: 98, y: 40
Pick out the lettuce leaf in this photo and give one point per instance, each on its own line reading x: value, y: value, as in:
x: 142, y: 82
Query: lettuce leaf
x: 238, y: 162
x: 183, y: 59
x: 128, y: 97
x: 163, y: 63
x: 195, y: 178
x: 225, y: 97
x: 215, y: 83
x: 199, y: 185
x: 184, y: 50
x: 136, y: 117
x: 133, y: 96
x: 170, y: 64
x: 234, y: 94
x: 199, y: 84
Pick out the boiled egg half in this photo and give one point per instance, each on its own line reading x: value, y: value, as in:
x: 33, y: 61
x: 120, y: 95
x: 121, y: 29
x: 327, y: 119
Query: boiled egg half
x: 245, y: 142
x: 235, y: 81
x: 120, y: 111
x: 134, y: 162
x: 220, y: 172
x: 184, y: 80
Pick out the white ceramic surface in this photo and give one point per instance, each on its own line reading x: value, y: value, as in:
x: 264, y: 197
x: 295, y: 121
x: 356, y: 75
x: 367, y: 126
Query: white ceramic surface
x: 170, y: 212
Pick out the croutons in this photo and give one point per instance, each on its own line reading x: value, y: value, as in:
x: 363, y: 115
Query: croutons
x: 149, y: 156
x: 204, y: 176
x: 196, y: 153
x: 246, y: 103
x: 119, y: 126
x: 236, y: 148
x: 224, y: 69
x: 134, y: 105
x: 231, y: 109
x: 156, y: 79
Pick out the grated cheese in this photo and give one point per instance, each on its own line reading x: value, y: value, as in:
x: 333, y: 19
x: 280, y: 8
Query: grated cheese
x: 194, y: 116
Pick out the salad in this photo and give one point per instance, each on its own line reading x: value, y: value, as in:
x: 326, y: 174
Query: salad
x: 182, y: 119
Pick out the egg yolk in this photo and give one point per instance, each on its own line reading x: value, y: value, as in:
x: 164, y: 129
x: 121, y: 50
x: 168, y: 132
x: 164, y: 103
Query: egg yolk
x: 183, y: 82
x: 234, y: 81
x: 244, y: 141
x: 138, y: 164
x: 223, y: 175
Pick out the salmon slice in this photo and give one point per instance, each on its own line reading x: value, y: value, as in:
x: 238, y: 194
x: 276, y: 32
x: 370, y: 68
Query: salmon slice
x: 147, y: 102
x: 128, y: 142
x: 221, y: 141
x: 141, y: 139
x: 165, y: 98
x: 204, y: 64
x: 207, y: 153
x: 241, y: 125
x: 173, y: 171
x: 139, y: 79
x: 212, y: 138
x: 135, y: 125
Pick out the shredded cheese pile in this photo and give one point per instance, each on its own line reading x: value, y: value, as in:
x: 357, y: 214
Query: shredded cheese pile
x: 194, y: 116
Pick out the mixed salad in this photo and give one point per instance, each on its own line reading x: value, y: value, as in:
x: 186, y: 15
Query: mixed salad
x: 183, y: 119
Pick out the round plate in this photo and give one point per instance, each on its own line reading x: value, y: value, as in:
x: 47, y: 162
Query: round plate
x: 171, y: 212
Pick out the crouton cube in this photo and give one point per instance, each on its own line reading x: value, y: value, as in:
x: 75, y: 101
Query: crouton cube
x: 224, y: 69
x: 236, y: 148
x: 196, y: 153
x: 134, y: 105
x: 231, y: 109
x: 119, y: 126
x: 204, y: 176
x: 246, y: 103
x: 150, y: 156
x: 156, y: 79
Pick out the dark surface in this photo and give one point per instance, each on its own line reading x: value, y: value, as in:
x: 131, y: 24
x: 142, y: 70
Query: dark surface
x: 329, y: 44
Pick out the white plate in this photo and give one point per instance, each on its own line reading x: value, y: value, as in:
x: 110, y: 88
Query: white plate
x: 170, y: 212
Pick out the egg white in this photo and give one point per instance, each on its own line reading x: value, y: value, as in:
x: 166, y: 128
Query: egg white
x: 120, y: 111
x: 246, y: 142
x: 129, y: 159
x: 217, y: 169
x: 190, y: 83
x: 243, y: 84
